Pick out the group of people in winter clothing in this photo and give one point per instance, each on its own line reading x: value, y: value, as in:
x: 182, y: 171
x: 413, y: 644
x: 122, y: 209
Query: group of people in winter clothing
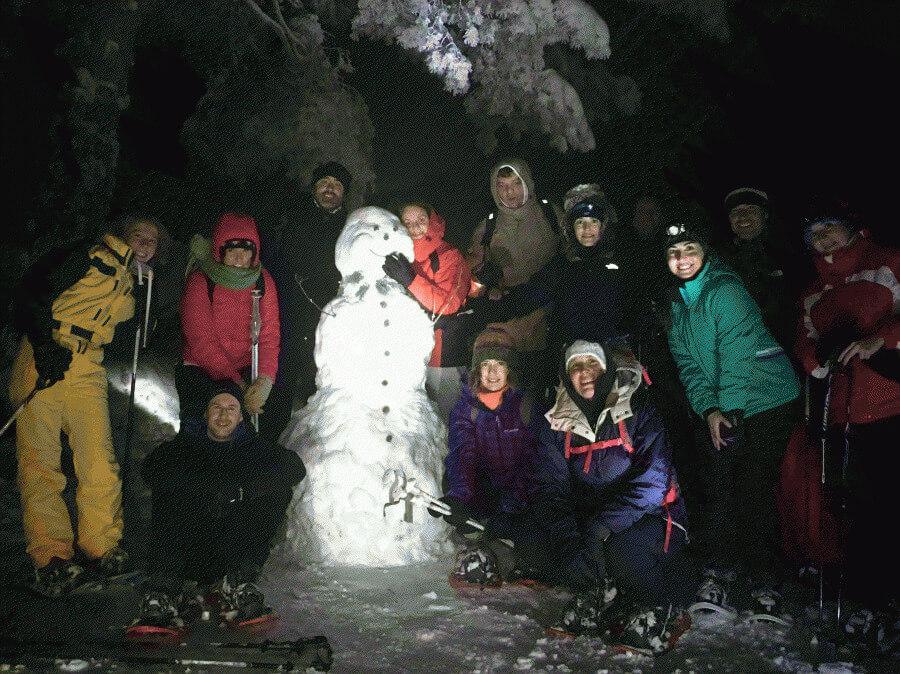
x: 580, y: 490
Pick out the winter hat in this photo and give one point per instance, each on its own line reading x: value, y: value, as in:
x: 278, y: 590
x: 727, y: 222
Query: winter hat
x: 580, y: 193
x: 826, y: 211
x: 245, y: 244
x: 333, y: 169
x: 492, y: 344
x: 221, y: 386
x: 746, y: 195
x: 679, y: 232
x: 596, y: 206
x: 582, y: 347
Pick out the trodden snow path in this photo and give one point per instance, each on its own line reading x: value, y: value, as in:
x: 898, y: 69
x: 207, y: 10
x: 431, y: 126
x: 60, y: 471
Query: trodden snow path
x: 407, y: 619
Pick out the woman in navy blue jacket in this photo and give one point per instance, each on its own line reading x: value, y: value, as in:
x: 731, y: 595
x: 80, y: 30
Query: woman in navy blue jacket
x: 607, y: 494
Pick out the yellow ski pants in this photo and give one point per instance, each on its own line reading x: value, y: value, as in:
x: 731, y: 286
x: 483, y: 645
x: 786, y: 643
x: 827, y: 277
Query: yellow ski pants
x: 78, y: 407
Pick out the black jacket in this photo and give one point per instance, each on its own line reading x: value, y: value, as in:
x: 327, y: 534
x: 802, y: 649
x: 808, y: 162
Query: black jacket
x: 194, y: 466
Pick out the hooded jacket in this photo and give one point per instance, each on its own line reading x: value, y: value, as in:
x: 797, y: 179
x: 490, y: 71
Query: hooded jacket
x: 217, y: 332
x: 442, y: 279
x: 523, y: 242
x: 726, y: 356
x: 611, y: 474
x: 857, y: 295
x: 492, y: 453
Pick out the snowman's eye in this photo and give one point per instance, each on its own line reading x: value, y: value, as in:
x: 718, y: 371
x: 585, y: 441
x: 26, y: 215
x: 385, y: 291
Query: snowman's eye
x: 376, y: 227
x: 395, y: 228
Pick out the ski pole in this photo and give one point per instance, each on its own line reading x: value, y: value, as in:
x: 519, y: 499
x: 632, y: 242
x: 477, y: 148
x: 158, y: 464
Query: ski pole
x: 824, y: 451
x: 255, y: 330
x: 147, y: 303
x: 9, y: 422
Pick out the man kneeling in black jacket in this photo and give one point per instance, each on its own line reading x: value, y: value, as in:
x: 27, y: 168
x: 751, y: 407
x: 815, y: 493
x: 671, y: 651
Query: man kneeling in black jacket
x: 219, y: 494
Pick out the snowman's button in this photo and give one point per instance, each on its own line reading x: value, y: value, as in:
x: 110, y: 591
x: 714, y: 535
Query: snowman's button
x: 387, y: 353
x: 389, y: 437
x: 386, y: 323
x: 384, y: 382
x: 383, y: 303
x: 387, y: 236
x: 385, y: 409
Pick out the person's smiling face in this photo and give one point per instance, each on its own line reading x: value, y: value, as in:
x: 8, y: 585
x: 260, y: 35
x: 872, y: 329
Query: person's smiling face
x: 685, y: 259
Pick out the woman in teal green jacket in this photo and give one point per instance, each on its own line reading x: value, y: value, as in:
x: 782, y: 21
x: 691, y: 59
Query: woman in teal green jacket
x: 740, y: 382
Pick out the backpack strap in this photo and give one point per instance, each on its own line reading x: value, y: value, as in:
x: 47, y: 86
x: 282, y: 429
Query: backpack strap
x: 549, y: 214
x: 489, y: 227
x: 525, y: 410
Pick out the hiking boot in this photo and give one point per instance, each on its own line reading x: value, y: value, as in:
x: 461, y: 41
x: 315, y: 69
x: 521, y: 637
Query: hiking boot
x: 766, y: 605
x: 58, y: 577
x: 588, y: 612
x: 713, y: 596
x: 242, y: 604
x: 114, y: 562
x: 653, y: 631
x: 191, y: 604
x: 158, y: 616
x: 478, y: 566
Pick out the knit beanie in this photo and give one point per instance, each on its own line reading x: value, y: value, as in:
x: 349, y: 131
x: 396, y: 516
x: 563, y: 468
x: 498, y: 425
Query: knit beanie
x: 746, y: 195
x: 221, y: 386
x: 582, y: 347
x: 492, y: 344
x: 333, y: 169
x: 680, y: 232
x: 592, y: 207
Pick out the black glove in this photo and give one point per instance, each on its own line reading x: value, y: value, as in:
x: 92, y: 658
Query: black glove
x: 399, y: 268
x: 51, y: 362
x: 489, y: 274
x: 460, y: 512
x: 831, y: 345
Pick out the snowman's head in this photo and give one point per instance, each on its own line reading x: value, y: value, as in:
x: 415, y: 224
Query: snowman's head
x: 370, y: 234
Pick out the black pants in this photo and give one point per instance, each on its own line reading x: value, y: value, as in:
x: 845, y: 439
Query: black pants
x: 741, y: 531
x: 872, y: 466
x: 189, y: 542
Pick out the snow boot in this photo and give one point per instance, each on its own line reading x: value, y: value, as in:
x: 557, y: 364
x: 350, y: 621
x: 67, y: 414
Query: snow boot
x: 652, y: 631
x: 766, y: 606
x: 59, y: 577
x: 588, y: 612
x: 191, y: 603
x: 477, y: 566
x: 243, y: 605
x: 114, y: 562
x: 158, y: 619
x: 712, y: 597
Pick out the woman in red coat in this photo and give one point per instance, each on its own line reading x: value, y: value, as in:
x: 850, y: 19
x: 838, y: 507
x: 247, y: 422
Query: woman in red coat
x: 216, y: 315
x: 849, y: 337
x: 439, y: 279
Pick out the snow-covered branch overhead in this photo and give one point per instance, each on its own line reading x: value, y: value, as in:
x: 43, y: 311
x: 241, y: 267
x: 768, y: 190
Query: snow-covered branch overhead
x: 493, y: 50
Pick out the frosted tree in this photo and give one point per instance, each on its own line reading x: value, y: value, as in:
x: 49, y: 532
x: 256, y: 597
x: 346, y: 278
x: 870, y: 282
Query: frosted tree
x: 493, y: 51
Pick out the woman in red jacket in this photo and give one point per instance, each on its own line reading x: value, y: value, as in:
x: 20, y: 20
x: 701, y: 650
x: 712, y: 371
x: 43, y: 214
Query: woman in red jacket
x: 216, y: 315
x: 439, y: 279
x: 849, y: 337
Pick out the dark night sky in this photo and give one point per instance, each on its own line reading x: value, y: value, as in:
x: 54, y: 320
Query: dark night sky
x: 798, y: 106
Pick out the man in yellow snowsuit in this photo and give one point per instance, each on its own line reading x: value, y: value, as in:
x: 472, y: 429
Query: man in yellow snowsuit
x: 68, y: 306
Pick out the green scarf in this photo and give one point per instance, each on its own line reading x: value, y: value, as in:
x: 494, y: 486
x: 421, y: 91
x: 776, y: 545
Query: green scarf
x: 236, y: 278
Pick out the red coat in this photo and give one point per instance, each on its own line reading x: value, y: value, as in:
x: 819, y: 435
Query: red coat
x: 857, y: 292
x: 217, y: 333
x: 442, y: 278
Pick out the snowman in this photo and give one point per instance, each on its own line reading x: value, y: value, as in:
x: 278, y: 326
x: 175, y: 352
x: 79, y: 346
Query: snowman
x: 370, y: 414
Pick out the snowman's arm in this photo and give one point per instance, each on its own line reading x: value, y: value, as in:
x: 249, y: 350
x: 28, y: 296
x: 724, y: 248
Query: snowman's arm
x: 446, y: 292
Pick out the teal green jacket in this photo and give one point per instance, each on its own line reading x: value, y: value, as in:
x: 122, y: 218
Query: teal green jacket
x: 727, y: 358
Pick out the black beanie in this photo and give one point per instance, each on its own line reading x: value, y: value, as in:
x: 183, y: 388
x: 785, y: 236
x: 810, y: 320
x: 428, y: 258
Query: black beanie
x: 746, y: 195
x: 224, y: 386
x: 333, y: 169
x: 679, y: 232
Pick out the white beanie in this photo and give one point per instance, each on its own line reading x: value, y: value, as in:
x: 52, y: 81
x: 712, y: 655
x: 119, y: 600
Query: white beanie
x: 581, y: 347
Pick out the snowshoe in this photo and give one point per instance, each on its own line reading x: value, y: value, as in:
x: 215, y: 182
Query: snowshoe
x: 588, y: 613
x: 766, y: 607
x: 475, y: 567
x: 877, y: 631
x: 158, y: 621
x: 95, y: 582
x: 652, y: 631
x: 57, y: 578
x: 712, y: 597
x: 192, y: 604
x: 243, y: 605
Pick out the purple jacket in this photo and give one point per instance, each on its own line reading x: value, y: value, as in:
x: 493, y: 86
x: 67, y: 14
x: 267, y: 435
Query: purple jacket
x: 492, y: 453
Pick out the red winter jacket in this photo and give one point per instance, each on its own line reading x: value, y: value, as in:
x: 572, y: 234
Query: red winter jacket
x: 217, y: 333
x: 856, y: 294
x: 442, y: 278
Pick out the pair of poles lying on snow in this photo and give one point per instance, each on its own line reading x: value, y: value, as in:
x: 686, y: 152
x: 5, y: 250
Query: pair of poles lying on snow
x: 402, y: 489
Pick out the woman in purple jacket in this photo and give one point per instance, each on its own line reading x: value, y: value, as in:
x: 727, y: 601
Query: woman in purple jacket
x: 493, y: 437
